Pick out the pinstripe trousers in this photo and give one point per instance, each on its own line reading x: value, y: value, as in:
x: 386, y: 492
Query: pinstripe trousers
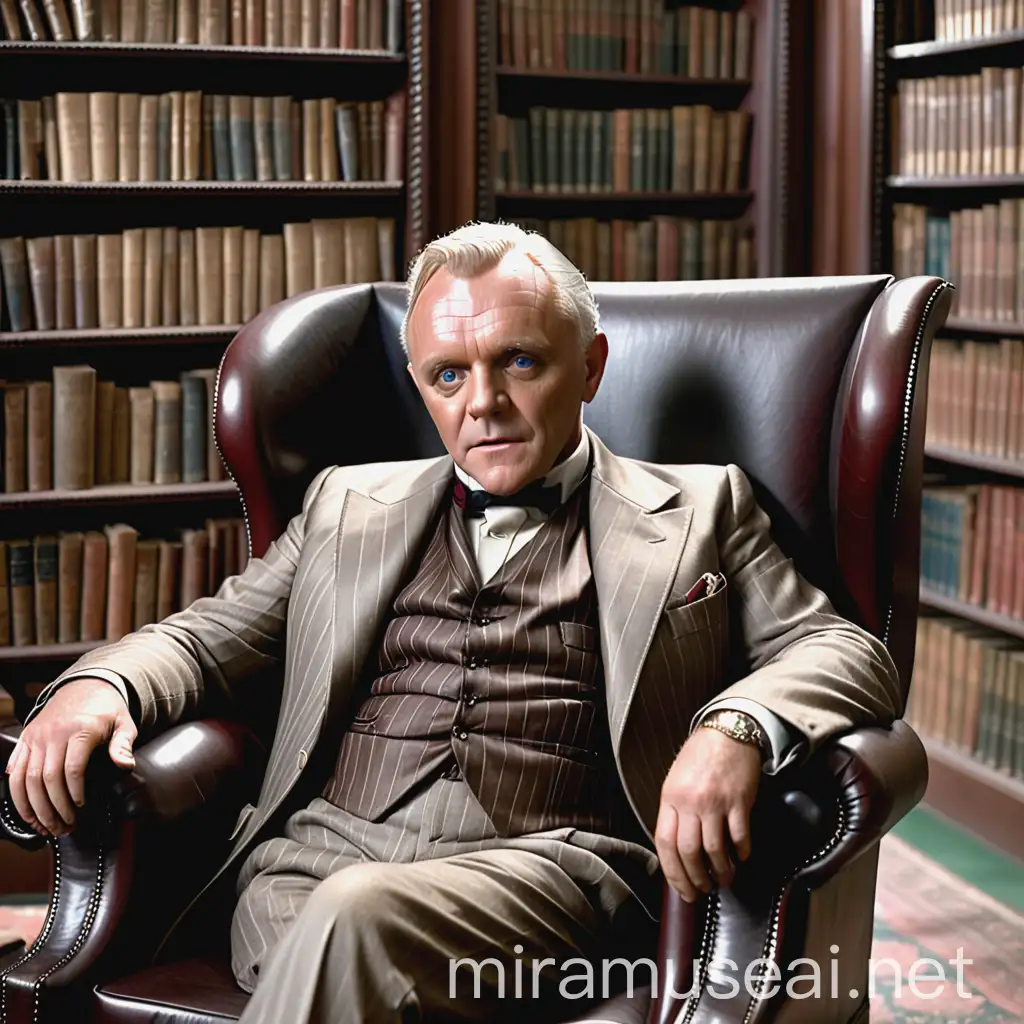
x: 344, y: 920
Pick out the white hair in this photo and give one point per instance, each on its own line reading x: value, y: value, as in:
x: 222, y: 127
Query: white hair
x: 478, y: 247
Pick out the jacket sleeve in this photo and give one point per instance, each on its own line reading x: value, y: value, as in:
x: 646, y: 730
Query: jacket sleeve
x: 818, y: 672
x: 216, y: 642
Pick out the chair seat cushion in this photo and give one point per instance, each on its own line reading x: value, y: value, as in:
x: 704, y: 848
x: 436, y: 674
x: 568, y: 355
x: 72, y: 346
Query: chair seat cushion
x: 185, y: 992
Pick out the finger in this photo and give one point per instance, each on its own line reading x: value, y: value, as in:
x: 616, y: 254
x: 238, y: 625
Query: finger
x: 691, y: 852
x: 16, y: 784
x: 120, y: 746
x: 43, y: 809
x: 56, y: 786
x: 80, y: 748
x: 15, y: 755
x: 739, y: 830
x: 665, y: 840
x: 713, y: 836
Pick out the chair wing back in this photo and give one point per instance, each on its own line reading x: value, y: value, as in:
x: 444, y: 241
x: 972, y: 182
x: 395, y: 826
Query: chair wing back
x: 816, y: 387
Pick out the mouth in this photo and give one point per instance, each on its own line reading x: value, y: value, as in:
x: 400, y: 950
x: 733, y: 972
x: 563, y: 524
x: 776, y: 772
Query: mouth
x: 497, y: 442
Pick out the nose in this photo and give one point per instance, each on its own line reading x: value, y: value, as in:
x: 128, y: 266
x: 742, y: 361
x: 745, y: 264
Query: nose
x: 486, y: 397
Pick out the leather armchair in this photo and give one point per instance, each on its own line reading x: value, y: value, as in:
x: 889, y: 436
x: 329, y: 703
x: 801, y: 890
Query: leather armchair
x: 817, y: 387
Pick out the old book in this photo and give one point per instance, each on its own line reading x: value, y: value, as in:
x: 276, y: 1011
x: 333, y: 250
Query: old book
x: 193, y: 566
x: 232, y: 307
x: 168, y: 577
x: 281, y: 113
x: 21, y: 579
x: 272, y: 283
x: 128, y: 139
x: 311, y: 140
x: 716, y: 152
x: 376, y: 130
x: 250, y: 274
x: 210, y: 274
x: 296, y: 146
x: 164, y: 117
x: 86, y: 274
x: 109, y: 21
x: 166, y: 431
x: 291, y: 23
x: 70, y: 550
x: 102, y: 128
x: 110, y: 269
x: 152, y: 277
x: 146, y: 568
x: 176, y: 171
x: 194, y: 426
x: 236, y: 28
x: 193, y: 136
x: 186, y: 21
x: 143, y: 410
x: 39, y: 401
x: 254, y: 23
x: 93, y: 618
x: 394, y: 138
x: 104, y: 445
x: 122, y: 545
x: 34, y: 22
x: 51, y: 139
x: 17, y: 291
x: 133, y: 277
x: 298, y: 258
x: 263, y: 132
x: 159, y: 21
x: 328, y: 252
x: 41, y: 271
x: 310, y: 25
x: 214, y: 464
x: 122, y: 436
x: 348, y: 140
x: 74, y: 427
x: 45, y: 552
x: 273, y: 28
x: 737, y: 134
x: 64, y: 282
x: 388, y: 252
x: 221, y: 113
x: 329, y: 170
x: 188, y: 301
x: 30, y: 140
x: 214, y: 554
x: 208, y: 171
x: 149, y: 164
x: 12, y: 30
x: 243, y: 156
x: 15, y: 429
x: 363, y: 128
x: 169, y: 283
x: 131, y: 21
x: 347, y: 34
x: 328, y: 34
x: 362, y: 255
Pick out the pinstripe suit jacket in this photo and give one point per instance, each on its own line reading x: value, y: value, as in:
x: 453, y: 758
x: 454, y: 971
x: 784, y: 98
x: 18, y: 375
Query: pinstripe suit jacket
x: 313, y: 604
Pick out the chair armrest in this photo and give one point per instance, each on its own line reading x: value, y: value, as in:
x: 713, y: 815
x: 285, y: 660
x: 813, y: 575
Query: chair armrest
x: 808, y: 825
x: 145, y: 843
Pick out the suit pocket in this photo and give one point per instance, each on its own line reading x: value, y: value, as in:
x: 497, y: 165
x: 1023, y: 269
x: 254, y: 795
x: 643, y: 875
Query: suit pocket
x: 577, y: 635
x: 707, y: 613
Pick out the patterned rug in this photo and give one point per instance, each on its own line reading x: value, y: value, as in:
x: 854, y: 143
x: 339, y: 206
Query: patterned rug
x: 921, y: 911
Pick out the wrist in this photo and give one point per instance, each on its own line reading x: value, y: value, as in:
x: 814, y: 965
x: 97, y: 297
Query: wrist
x: 742, y: 728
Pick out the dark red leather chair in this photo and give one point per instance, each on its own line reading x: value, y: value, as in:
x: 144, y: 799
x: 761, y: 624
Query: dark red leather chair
x: 816, y: 387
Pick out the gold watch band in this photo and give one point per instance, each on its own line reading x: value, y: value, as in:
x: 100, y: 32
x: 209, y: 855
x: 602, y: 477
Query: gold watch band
x: 739, y: 726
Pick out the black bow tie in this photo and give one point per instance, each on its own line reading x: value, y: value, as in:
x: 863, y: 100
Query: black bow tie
x: 534, y: 495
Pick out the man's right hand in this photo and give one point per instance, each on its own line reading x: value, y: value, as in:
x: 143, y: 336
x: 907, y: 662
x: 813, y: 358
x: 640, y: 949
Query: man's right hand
x: 46, y: 772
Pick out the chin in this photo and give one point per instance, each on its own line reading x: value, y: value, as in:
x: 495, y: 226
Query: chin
x: 497, y: 477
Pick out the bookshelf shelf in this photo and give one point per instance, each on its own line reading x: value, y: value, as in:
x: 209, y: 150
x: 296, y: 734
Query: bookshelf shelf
x: 263, y: 189
x: 194, y: 51
x: 117, y: 494
x: 618, y: 78
x: 626, y: 197
x: 120, y: 336
x: 980, y: 45
x: 984, y: 800
x: 49, y: 652
x: 984, y: 617
x: 989, y: 463
x: 973, y: 181
x: 1004, y: 329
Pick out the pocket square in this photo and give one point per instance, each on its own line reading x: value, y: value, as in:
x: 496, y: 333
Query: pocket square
x: 708, y: 584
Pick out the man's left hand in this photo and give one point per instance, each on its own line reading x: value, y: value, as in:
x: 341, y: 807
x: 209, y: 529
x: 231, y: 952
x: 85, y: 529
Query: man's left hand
x: 706, y: 801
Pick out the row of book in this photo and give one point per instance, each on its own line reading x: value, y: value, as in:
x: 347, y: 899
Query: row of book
x: 967, y: 691
x: 970, y: 19
x: 634, y: 36
x: 75, y: 431
x: 981, y: 250
x: 685, y: 149
x: 960, y: 124
x: 307, y: 24
x: 191, y: 136
x: 976, y: 397
x: 170, y: 277
x: 662, y: 248
x: 972, y: 545
x: 96, y: 585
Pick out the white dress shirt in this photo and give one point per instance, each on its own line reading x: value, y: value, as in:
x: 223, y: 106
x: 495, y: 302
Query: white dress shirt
x: 504, y: 529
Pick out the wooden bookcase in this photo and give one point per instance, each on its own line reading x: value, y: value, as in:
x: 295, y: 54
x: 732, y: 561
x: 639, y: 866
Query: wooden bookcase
x: 964, y: 785
x: 137, y: 355
x: 771, y: 197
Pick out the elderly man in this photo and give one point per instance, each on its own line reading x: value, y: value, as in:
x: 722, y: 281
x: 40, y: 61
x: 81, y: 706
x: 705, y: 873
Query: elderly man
x: 530, y: 639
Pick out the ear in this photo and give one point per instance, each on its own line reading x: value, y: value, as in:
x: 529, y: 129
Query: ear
x: 596, y: 359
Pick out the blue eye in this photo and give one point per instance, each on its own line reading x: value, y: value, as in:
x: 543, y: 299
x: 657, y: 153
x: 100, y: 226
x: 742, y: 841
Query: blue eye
x: 524, y: 362
x: 448, y: 376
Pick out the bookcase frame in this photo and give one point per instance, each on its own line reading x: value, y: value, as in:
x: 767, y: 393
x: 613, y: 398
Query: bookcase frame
x: 982, y: 799
x: 778, y: 98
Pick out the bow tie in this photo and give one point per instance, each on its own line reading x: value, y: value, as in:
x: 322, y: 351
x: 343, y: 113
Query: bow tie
x: 534, y: 495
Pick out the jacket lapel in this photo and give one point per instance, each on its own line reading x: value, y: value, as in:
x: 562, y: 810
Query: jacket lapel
x: 379, y: 534
x: 635, y: 547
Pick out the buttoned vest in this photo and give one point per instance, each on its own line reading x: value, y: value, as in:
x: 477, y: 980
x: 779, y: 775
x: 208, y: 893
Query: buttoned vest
x: 500, y: 683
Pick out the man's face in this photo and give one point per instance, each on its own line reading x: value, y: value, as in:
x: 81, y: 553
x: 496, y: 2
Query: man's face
x: 502, y: 374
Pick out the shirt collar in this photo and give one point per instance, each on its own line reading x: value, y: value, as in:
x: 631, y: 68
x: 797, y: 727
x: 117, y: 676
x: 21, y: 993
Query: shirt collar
x: 568, y: 474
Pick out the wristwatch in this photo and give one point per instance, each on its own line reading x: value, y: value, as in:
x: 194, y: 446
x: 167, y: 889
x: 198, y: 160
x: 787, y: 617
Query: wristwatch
x: 740, y: 727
